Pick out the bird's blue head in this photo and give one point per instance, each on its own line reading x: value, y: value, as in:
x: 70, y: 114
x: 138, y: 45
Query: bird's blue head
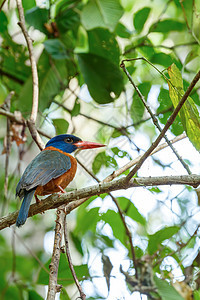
x: 69, y: 143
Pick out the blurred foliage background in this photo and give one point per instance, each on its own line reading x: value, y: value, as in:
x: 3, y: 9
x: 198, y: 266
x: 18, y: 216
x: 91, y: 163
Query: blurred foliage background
x: 82, y: 90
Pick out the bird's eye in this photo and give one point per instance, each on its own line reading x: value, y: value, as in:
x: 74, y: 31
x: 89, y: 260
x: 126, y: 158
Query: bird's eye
x: 69, y: 140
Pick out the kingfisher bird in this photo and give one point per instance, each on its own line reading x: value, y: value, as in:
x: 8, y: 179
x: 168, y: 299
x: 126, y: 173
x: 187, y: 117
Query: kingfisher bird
x: 50, y: 171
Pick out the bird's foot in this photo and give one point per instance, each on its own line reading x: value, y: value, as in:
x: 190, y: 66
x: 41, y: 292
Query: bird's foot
x: 37, y: 199
x: 61, y: 189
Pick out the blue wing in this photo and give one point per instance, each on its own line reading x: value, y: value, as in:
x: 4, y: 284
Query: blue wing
x: 45, y: 166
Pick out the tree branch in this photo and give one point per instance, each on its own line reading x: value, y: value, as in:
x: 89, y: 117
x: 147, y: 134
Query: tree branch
x: 57, y: 200
x: 33, y: 116
x: 28, y: 39
x: 14, y: 117
x: 53, y: 287
x: 82, y: 295
x: 6, y: 106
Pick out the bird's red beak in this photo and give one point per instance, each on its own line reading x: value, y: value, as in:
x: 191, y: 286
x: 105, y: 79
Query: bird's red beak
x: 87, y: 145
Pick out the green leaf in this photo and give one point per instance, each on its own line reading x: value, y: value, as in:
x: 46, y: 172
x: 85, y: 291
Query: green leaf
x: 102, y: 159
x: 140, y: 18
x: 49, y: 81
x: 120, y: 153
x: 137, y: 107
x: 32, y: 295
x: 64, y: 295
x: 155, y: 190
x: 3, y: 22
x: 129, y: 208
x: 166, y: 291
x: 103, y: 78
x: 61, y: 125
x: 164, y: 100
x: 37, y: 17
x: 103, y: 43
x: 191, y: 55
x: 101, y: 13
x: 13, y: 61
x: 166, y: 26
x: 189, y: 8
x: 177, y: 127
x: 55, y: 48
x: 147, y: 50
x: 157, y: 238
x: 122, y: 31
x: 12, y: 292
x: 109, y: 243
x: 87, y: 221
x: 77, y: 242
x: 76, y: 109
x: 189, y: 113
x: 64, y: 274
x: 196, y: 295
x: 115, y: 222
x: 28, y: 4
x: 67, y: 16
x: 162, y: 59
x: 3, y: 92
x: 165, y: 104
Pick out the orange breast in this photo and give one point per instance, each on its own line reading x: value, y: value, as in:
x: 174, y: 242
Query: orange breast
x: 63, y: 180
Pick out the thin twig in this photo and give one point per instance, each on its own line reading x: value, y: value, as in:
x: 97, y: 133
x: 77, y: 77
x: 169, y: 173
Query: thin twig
x: 31, y: 252
x: 53, y: 287
x: 128, y: 233
x: 6, y: 107
x: 82, y: 294
x: 85, y: 116
x: 143, y: 44
x: 181, y: 246
x: 35, y: 134
x: 166, y: 127
x: 2, y: 4
x: 154, y: 119
x: 190, y: 29
x: 33, y: 116
x: 13, y: 254
x: 20, y: 120
x: 12, y: 116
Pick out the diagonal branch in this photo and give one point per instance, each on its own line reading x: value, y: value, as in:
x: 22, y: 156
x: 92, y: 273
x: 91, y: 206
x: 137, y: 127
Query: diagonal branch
x: 33, y: 116
x: 153, y: 117
x: 166, y: 127
x: 57, y: 200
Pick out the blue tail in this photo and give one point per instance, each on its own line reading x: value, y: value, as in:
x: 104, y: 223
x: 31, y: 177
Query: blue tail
x: 23, y: 213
